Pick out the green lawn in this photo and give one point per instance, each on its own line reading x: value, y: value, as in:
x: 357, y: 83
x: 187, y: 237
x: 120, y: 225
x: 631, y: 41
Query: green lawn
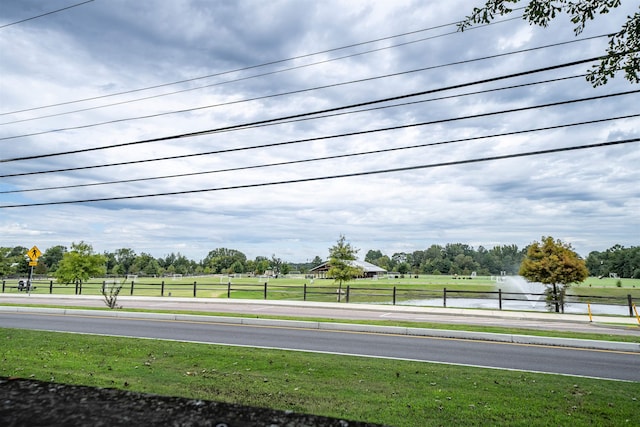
x: 397, y: 393
x: 362, y: 290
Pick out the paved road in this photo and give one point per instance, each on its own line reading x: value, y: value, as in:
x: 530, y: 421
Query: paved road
x: 527, y: 320
x: 607, y: 364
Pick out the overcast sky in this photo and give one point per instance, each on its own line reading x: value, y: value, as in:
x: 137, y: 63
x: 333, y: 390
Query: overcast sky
x: 119, y: 72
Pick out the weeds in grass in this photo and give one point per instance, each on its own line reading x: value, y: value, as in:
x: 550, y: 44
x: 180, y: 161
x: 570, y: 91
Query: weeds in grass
x: 399, y: 393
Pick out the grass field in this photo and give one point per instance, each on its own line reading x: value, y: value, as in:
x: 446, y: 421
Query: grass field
x: 398, y: 393
x: 376, y: 291
x: 292, y: 288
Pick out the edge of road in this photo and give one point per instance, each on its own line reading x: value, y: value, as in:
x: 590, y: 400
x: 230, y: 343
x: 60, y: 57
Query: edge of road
x: 358, y: 327
x: 522, y: 315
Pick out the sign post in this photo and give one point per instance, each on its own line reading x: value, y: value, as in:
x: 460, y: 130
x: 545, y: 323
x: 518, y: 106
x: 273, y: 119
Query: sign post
x: 33, y: 254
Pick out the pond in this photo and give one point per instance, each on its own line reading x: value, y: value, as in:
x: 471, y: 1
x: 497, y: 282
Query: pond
x: 522, y: 305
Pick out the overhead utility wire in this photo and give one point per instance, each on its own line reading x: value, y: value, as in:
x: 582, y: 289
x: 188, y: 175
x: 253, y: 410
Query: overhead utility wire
x: 340, y: 176
x: 45, y: 14
x: 276, y: 95
x: 403, y: 104
x: 298, y: 141
x: 308, y: 114
x: 338, y: 156
x: 341, y: 113
x: 277, y: 72
x: 273, y: 95
x: 279, y: 61
x: 395, y: 105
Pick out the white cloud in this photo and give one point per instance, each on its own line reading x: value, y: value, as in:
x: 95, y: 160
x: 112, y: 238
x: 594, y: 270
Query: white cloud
x: 586, y: 197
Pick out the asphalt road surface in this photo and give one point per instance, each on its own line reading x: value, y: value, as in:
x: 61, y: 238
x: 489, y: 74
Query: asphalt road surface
x: 526, y: 320
x: 606, y: 364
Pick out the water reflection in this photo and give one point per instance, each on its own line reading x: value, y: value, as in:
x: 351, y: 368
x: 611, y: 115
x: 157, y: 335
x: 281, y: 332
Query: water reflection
x: 522, y: 305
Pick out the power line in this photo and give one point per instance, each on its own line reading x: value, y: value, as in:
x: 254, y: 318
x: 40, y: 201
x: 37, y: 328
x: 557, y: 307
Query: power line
x: 275, y: 62
x: 339, y: 156
x: 45, y: 14
x: 402, y: 104
x: 316, y: 117
x: 308, y: 114
x: 277, y: 72
x: 235, y: 70
x: 259, y: 98
x: 342, y: 135
x: 339, y: 176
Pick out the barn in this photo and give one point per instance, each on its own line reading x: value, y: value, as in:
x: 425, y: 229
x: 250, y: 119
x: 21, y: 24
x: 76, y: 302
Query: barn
x: 369, y: 270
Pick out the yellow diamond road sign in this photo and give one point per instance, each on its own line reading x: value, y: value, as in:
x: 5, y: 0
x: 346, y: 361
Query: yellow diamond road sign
x: 34, y: 253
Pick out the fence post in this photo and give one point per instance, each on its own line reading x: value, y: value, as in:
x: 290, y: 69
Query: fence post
x: 500, y: 298
x: 629, y: 301
x: 304, y: 292
x: 194, y: 289
x: 76, y: 291
x: 394, y: 295
x: 131, y: 292
x: 104, y: 285
x: 162, y: 289
x: 347, y: 296
x: 80, y: 288
x: 444, y: 298
x: 265, y: 290
x: 229, y: 289
x: 50, y: 286
x: 3, y: 283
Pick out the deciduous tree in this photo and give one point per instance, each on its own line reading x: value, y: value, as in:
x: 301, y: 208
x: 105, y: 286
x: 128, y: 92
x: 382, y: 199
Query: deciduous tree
x: 220, y: 260
x: 5, y: 261
x: 623, y: 52
x: 553, y: 263
x: 80, y: 264
x: 261, y: 264
x: 341, y: 268
x: 373, y: 255
x: 52, y: 257
x: 125, y: 257
x: 624, y: 262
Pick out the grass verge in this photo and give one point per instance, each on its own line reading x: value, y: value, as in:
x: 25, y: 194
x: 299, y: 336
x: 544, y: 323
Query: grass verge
x: 398, y: 393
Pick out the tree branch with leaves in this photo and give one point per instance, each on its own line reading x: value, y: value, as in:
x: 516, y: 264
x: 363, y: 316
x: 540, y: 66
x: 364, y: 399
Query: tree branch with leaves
x: 623, y: 51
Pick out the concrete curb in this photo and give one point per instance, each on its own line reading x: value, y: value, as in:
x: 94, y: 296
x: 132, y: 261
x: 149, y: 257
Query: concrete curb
x: 349, y: 327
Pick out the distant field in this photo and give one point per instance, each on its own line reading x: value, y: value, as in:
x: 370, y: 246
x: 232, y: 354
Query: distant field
x: 607, y: 282
x: 379, y: 290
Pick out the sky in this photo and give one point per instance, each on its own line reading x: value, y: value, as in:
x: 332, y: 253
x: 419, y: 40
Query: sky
x: 219, y: 103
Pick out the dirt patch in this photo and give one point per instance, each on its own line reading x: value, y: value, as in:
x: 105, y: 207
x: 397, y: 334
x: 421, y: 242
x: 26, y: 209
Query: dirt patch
x: 37, y: 403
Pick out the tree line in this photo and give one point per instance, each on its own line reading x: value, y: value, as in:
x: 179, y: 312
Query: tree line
x: 618, y: 260
x: 462, y: 259
x: 125, y: 261
x: 453, y: 258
